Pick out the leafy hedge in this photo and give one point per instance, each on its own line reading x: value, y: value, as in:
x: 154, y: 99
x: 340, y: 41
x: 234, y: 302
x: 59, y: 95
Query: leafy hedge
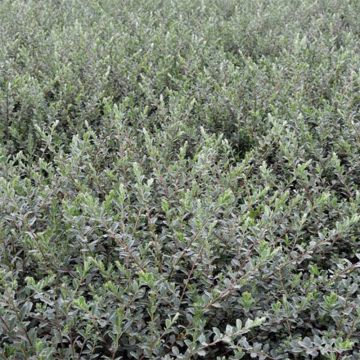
x: 179, y: 179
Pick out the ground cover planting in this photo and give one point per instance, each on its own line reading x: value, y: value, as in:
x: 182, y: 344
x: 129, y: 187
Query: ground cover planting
x: 179, y: 179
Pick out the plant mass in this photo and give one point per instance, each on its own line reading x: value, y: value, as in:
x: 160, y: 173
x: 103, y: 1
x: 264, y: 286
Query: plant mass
x: 179, y: 179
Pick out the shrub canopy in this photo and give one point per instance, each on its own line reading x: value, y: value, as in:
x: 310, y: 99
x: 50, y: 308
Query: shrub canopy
x: 179, y: 179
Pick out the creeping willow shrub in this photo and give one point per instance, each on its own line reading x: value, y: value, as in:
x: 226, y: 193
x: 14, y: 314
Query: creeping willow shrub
x: 179, y: 179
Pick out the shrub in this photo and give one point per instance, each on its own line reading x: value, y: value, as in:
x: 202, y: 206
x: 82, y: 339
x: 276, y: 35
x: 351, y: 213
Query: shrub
x: 179, y: 180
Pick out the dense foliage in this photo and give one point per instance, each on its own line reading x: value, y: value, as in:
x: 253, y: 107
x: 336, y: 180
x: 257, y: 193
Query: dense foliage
x: 179, y: 179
